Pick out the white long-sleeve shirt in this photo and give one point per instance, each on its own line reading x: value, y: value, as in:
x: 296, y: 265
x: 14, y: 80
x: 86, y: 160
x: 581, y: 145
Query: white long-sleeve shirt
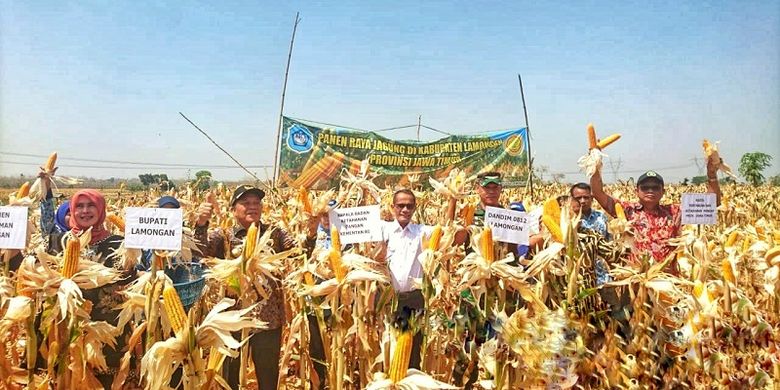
x: 404, y: 245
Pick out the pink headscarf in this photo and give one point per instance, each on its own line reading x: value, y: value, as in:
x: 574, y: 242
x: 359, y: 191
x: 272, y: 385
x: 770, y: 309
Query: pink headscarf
x: 99, y: 231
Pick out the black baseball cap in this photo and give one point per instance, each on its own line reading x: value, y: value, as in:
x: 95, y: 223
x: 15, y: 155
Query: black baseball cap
x: 650, y: 175
x: 489, y: 177
x: 243, y: 190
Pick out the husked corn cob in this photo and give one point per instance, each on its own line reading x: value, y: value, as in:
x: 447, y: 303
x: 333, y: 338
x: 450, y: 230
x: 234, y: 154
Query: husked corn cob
x: 303, y: 198
x: 619, y: 212
x: 24, y: 190
x: 727, y: 270
x: 334, y: 238
x: 20, y: 286
x: 324, y: 168
x: 553, y: 227
x: 335, y: 262
x: 250, y: 242
x: 468, y: 214
x: 174, y: 309
x: 607, y: 141
x: 433, y: 241
x: 50, y: 162
x: 486, y: 244
x: 70, y: 260
x: 401, y: 357
x: 732, y: 239
x: 117, y: 221
x: 592, y: 143
x: 552, y: 208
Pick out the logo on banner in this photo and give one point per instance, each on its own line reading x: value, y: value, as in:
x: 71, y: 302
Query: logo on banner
x: 300, y: 139
x: 514, y: 145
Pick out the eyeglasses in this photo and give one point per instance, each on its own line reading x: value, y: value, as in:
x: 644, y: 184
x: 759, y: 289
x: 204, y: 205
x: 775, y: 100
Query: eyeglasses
x: 408, y: 206
x: 651, y: 187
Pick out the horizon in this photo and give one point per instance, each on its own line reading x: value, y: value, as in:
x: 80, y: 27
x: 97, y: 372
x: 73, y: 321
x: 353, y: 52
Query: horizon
x: 114, y: 77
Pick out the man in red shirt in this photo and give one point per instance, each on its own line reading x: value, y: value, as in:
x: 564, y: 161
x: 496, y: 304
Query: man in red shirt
x: 653, y: 223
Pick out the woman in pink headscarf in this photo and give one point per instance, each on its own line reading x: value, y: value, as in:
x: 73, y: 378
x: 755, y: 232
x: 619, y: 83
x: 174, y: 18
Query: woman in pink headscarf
x: 88, y: 210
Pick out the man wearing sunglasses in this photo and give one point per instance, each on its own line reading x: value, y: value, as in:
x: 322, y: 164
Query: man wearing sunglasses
x: 653, y: 224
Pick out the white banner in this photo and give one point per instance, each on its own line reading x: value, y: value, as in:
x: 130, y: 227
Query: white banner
x: 508, y: 226
x: 357, y: 224
x: 13, y: 227
x: 699, y: 209
x: 151, y: 228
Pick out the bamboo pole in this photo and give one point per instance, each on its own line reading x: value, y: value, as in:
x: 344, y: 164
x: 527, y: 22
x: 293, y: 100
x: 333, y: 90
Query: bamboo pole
x: 284, y: 93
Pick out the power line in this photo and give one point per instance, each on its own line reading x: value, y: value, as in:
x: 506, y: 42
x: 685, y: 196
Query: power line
x: 135, y: 167
x: 154, y: 164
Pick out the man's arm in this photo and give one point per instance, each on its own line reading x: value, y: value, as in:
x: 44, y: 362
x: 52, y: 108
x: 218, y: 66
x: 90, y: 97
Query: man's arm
x: 713, y: 186
x: 597, y: 189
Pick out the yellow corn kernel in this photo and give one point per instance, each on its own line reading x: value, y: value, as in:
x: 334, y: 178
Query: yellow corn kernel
x: 553, y: 228
x: 607, y: 141
x: 746, y: 243
x: 592, y: 136
x: 619, y: 212
x: 401, y: 356
x: 486, y: 244
x: 335, y: 241
x: 308, y: 278
x: 23, y: 191
x: 50, y: 162
x: 336, y: 264
x: 174, y: 309
x: 433, y: 241
x: 20, y: 286
x: 250, y: 242
x: 70, y: 260
x: 117, y: 221
x: 303, y: 198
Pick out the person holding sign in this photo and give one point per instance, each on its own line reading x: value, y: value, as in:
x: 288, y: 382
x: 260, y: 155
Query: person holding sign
x: 404, y: 245
x: 654, y: 224
x: 265, y: 346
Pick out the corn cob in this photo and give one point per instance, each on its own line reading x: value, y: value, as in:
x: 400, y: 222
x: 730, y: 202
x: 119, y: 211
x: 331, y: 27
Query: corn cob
x: 250, y: 242
x: 355, y: 165
x: 746, y: 243
x: 607, y: 141
x: 324, y: 168
x: 553, y: 228
x: 303, y: 198
x: 727, y: 270
x: 732, y: 239
x: 174, y: 309
x: 335, y: 241
x: 50, y: 162
x: 117, y: 221
x: 317, y: 154
x: 776, y: 237
x: 158, y: 260
x: 401, y: 356
x: 552, y: 208
x: 619, y: 212
x: 335, y: 262
x: 433, y: 241
x: 308, y: 278
x: 486, y: 244
x: 20, y: 286
x: 468, y: 214
x: 23, y: 191
x: 591, y: 136
x: 70, y: 259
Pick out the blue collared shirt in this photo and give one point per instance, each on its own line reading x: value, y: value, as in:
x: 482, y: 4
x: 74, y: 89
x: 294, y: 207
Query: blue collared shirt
x: 597, y: 221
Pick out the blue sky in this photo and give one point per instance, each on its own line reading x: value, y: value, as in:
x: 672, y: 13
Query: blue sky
x: 106, y: 80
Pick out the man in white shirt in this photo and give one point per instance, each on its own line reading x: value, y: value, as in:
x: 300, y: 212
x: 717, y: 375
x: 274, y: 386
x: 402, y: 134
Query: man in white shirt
x: 404, y: 245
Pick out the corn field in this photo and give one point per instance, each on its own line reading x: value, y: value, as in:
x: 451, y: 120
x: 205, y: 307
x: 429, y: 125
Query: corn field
x: 491, y: 321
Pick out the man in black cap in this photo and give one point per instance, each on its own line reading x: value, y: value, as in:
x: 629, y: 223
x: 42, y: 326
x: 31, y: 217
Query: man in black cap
x: 246, y: 205
x: 653, y: 224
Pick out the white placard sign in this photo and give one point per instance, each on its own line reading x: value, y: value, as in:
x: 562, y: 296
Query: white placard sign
x: 357, y: 224
x: 508, y: 226
x: 699, y: 209
x: 150, y: 228
x: 13, y: 227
